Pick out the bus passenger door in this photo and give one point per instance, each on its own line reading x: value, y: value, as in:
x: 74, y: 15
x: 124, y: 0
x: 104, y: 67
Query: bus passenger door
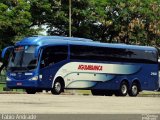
x: 45, y: 78
x: 52, y: 59
x: 45, y: 69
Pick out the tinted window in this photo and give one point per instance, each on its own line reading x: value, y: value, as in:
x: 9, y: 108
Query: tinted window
x: 143, y: 56
x: 54, y: 54
x: 112, y: 54
x: 23, y: 58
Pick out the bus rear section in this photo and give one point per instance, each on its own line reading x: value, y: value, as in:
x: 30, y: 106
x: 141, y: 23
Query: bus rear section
x: 159, y: 73
x: 109, y: 70
x: 109, y: 78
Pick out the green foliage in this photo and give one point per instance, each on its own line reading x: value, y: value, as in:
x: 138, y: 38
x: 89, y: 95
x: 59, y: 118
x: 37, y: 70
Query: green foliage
x: 124, y: 21
x: 15, y: 21
x: 132, y: 22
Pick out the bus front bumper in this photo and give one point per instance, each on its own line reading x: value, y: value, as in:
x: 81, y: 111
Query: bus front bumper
x: 22, y: 84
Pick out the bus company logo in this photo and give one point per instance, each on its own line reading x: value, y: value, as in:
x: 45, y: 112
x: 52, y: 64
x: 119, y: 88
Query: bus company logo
x: 90, y: 67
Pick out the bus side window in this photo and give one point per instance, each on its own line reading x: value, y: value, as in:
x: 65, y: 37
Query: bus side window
x: 54, y: 54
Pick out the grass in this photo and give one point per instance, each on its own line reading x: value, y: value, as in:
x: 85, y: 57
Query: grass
x: 84, y: 92
x: 78, y: 92
x: 149, y: 94
x: 14, y: 90
x: 2, y: 86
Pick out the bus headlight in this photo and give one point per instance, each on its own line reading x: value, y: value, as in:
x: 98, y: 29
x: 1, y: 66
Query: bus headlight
x: 34, y: 78
x: 8, y: 79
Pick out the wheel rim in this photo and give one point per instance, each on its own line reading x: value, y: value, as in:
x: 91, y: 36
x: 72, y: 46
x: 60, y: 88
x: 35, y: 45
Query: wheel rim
x: 57, y: 86
x: 124, y: 89
x: 134, y: 89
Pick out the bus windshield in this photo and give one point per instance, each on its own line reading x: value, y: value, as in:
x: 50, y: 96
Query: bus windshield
x: 22, y: 59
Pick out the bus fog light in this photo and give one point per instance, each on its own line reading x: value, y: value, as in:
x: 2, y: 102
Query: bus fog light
x: 34, y: 78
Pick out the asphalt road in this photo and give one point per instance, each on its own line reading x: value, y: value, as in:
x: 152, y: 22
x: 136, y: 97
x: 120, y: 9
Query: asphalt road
x: 74, y: 104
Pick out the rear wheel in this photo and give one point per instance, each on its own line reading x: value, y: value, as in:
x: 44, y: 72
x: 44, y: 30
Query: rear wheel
x: 134, y: 91
x: 123, y: 90
x: 57, y: 88
x: 30, y: 91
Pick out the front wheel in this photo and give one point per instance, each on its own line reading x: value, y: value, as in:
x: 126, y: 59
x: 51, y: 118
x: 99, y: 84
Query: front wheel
x: 57, y: 88
x: 134, y: 90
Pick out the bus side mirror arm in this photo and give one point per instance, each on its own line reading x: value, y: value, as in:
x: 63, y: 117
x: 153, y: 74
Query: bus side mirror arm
x: 5, y: 50
x: 37, y: 51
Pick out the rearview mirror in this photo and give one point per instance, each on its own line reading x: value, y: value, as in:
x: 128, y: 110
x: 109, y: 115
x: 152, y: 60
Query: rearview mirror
x: 5, y: 50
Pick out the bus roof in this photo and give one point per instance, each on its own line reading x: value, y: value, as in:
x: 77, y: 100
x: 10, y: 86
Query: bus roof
x: 57, y: 40
x: 44, y: 40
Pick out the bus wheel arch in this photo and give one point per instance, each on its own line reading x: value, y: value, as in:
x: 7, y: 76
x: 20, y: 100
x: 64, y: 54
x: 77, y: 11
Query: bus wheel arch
x: 123, y: 88
x: 135, y: 88
x: 58, y: 86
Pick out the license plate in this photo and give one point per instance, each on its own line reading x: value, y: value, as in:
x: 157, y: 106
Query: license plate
x: 19, y: 84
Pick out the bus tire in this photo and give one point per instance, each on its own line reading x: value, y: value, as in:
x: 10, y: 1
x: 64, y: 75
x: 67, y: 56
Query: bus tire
x: 134, y: 91
x: 123, y: 90
x: 97, y: 92
x: 30, y: 91
x: 57, y: 88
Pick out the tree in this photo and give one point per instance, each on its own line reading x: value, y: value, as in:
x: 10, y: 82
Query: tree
x: 15, y: 22
x: 81, y: 19
x: 123, y: 21
x: 131, y: 22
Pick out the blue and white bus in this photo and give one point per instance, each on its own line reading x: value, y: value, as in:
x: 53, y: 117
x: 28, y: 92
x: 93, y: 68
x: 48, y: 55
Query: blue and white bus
x: 56, y: 63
